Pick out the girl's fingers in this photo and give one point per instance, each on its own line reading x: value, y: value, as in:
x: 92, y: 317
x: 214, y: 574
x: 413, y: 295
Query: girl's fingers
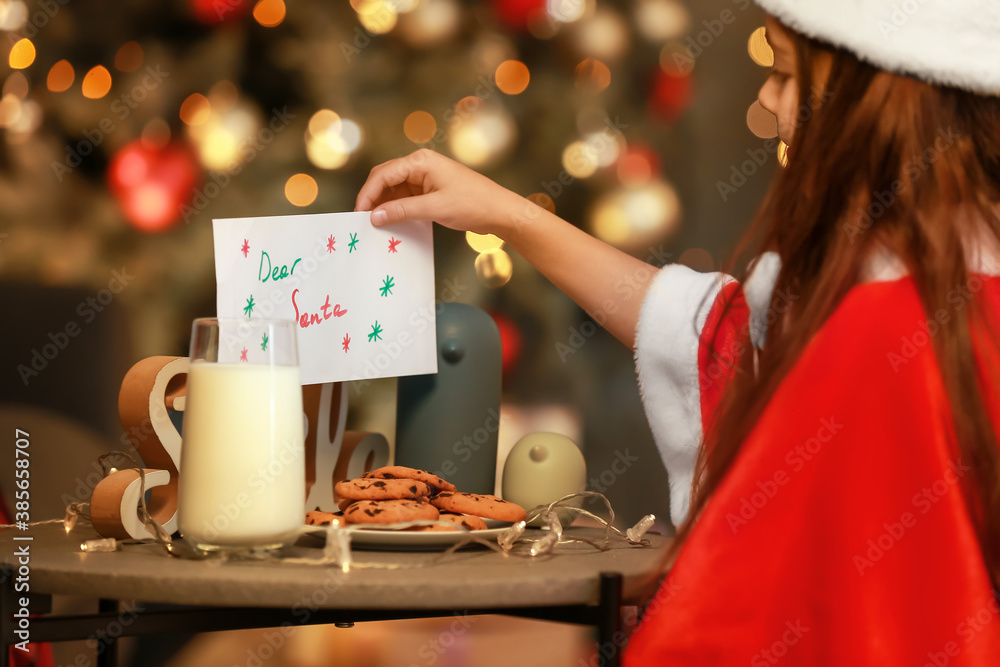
x: 406, y: 209
x: 396, y: 192
x: 389, y: 175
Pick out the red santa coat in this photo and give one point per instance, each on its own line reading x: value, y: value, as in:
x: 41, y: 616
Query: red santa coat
x: 840, y: 536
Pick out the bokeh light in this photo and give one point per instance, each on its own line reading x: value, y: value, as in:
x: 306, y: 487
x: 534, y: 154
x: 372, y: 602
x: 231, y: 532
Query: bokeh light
x: 761, y: 121
x: 301, y: 190
x: 220, y: 139
x: 515, y: 14
x: 223, y: 96
x: 129, y: 57
x: 97, y: 83
x: 25, y: 118
x: 494, y: 268
x: 758, y: 48
x: 330, y: 139
x: 605, y: 146
x: 13, y: 15
x: 377, y: 16
x: 350, y: 132
x: 479, y: 135
x: 10, y: 110
x: 419, y: 127
x: 592, y: 75
x: 22, y: 54
x: 638, y: 165
x: 483, y: 242
x: 323, y: 121
x: 511, y: 341
x: 16, y: 85
x: 430, y: 23
x: 211, y: 12
x: 327, y: 152
x: 661, y: 20
x: 670, y: 96
x: 151, y: 184
x: 404, y: 6
x: 604, y: 35
x: 568, y: 11
x: 195, y: 109
x: 60, y: 77
x: 269, y: 13
x: 578, y: 160
x: 324, y: 146
x: 491, y: 49
x: 635, y: 216
x: 512, y: 77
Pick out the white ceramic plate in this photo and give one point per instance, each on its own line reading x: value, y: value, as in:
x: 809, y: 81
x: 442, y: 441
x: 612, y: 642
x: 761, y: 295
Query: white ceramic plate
x: 394, y: 540
x: 426, y: 541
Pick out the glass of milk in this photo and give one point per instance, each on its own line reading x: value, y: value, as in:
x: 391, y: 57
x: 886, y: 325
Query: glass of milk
x: 242, y: 478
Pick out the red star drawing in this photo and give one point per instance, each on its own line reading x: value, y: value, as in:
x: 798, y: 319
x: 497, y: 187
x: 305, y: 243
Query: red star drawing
x: 243, y: 355
x: 347, y: 342
x: 330, y: 244
x: 246, y: 248
x: 392, y: 244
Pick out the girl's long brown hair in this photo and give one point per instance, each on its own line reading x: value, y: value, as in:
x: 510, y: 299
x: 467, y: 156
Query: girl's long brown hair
x: 863, y: 134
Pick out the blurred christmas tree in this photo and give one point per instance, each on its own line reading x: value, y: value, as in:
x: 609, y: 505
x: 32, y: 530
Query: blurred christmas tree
x: 128, y: 125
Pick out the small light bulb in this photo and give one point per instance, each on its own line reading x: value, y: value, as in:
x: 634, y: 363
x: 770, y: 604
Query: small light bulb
x: 106, y: 544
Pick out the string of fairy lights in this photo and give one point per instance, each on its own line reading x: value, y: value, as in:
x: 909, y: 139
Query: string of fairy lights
x: 635, y: 203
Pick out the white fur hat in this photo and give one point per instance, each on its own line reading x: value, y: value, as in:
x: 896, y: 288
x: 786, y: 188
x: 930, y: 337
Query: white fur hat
x: 949, y: 42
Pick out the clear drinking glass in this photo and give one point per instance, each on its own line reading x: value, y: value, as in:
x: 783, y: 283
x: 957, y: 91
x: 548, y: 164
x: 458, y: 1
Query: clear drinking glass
x: 242, y: 480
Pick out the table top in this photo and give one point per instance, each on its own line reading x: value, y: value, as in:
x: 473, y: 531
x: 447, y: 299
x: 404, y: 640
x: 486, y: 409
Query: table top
x: 476, y: 578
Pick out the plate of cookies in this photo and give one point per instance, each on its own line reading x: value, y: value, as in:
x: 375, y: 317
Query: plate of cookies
x: 398, y: 494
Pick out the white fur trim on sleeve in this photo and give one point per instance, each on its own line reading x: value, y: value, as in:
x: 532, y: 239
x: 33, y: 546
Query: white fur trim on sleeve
x: 666, y: 353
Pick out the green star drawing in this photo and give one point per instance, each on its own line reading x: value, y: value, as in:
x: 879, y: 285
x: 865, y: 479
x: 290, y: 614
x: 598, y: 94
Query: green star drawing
x: 376, y: 333
x: 386, y: 288
x: 263, y: 343
x: 354, y: 242
x: 248, y: 309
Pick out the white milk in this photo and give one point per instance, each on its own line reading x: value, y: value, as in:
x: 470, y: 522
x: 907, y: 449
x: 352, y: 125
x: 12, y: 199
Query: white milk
x: 242, y: 478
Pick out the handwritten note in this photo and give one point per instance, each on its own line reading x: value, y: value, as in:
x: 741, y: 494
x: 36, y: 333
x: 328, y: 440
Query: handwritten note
x: 362, y: 297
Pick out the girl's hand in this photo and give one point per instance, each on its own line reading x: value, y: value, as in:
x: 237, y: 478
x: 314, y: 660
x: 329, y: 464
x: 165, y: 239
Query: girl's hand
x: 428, y: 186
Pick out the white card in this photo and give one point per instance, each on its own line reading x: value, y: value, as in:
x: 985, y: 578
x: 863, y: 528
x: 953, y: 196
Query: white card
x: 362, y: 296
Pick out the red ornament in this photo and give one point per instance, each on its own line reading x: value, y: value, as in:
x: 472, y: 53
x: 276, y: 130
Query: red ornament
x: 211, y: 12
x: 152, y: 184
x: 670, y: 95
x: 515, y: 13
x: 511, y: 341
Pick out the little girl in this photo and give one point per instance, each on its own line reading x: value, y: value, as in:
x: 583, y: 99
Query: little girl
x: 830, y: 422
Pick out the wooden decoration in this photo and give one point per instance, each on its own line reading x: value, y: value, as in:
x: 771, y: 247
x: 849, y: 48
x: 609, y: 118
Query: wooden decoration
x: 115, y: 499
x: 325, y: 407
x: 151, y: 389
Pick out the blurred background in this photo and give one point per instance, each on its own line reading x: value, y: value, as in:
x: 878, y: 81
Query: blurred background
x: 128, y: 125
